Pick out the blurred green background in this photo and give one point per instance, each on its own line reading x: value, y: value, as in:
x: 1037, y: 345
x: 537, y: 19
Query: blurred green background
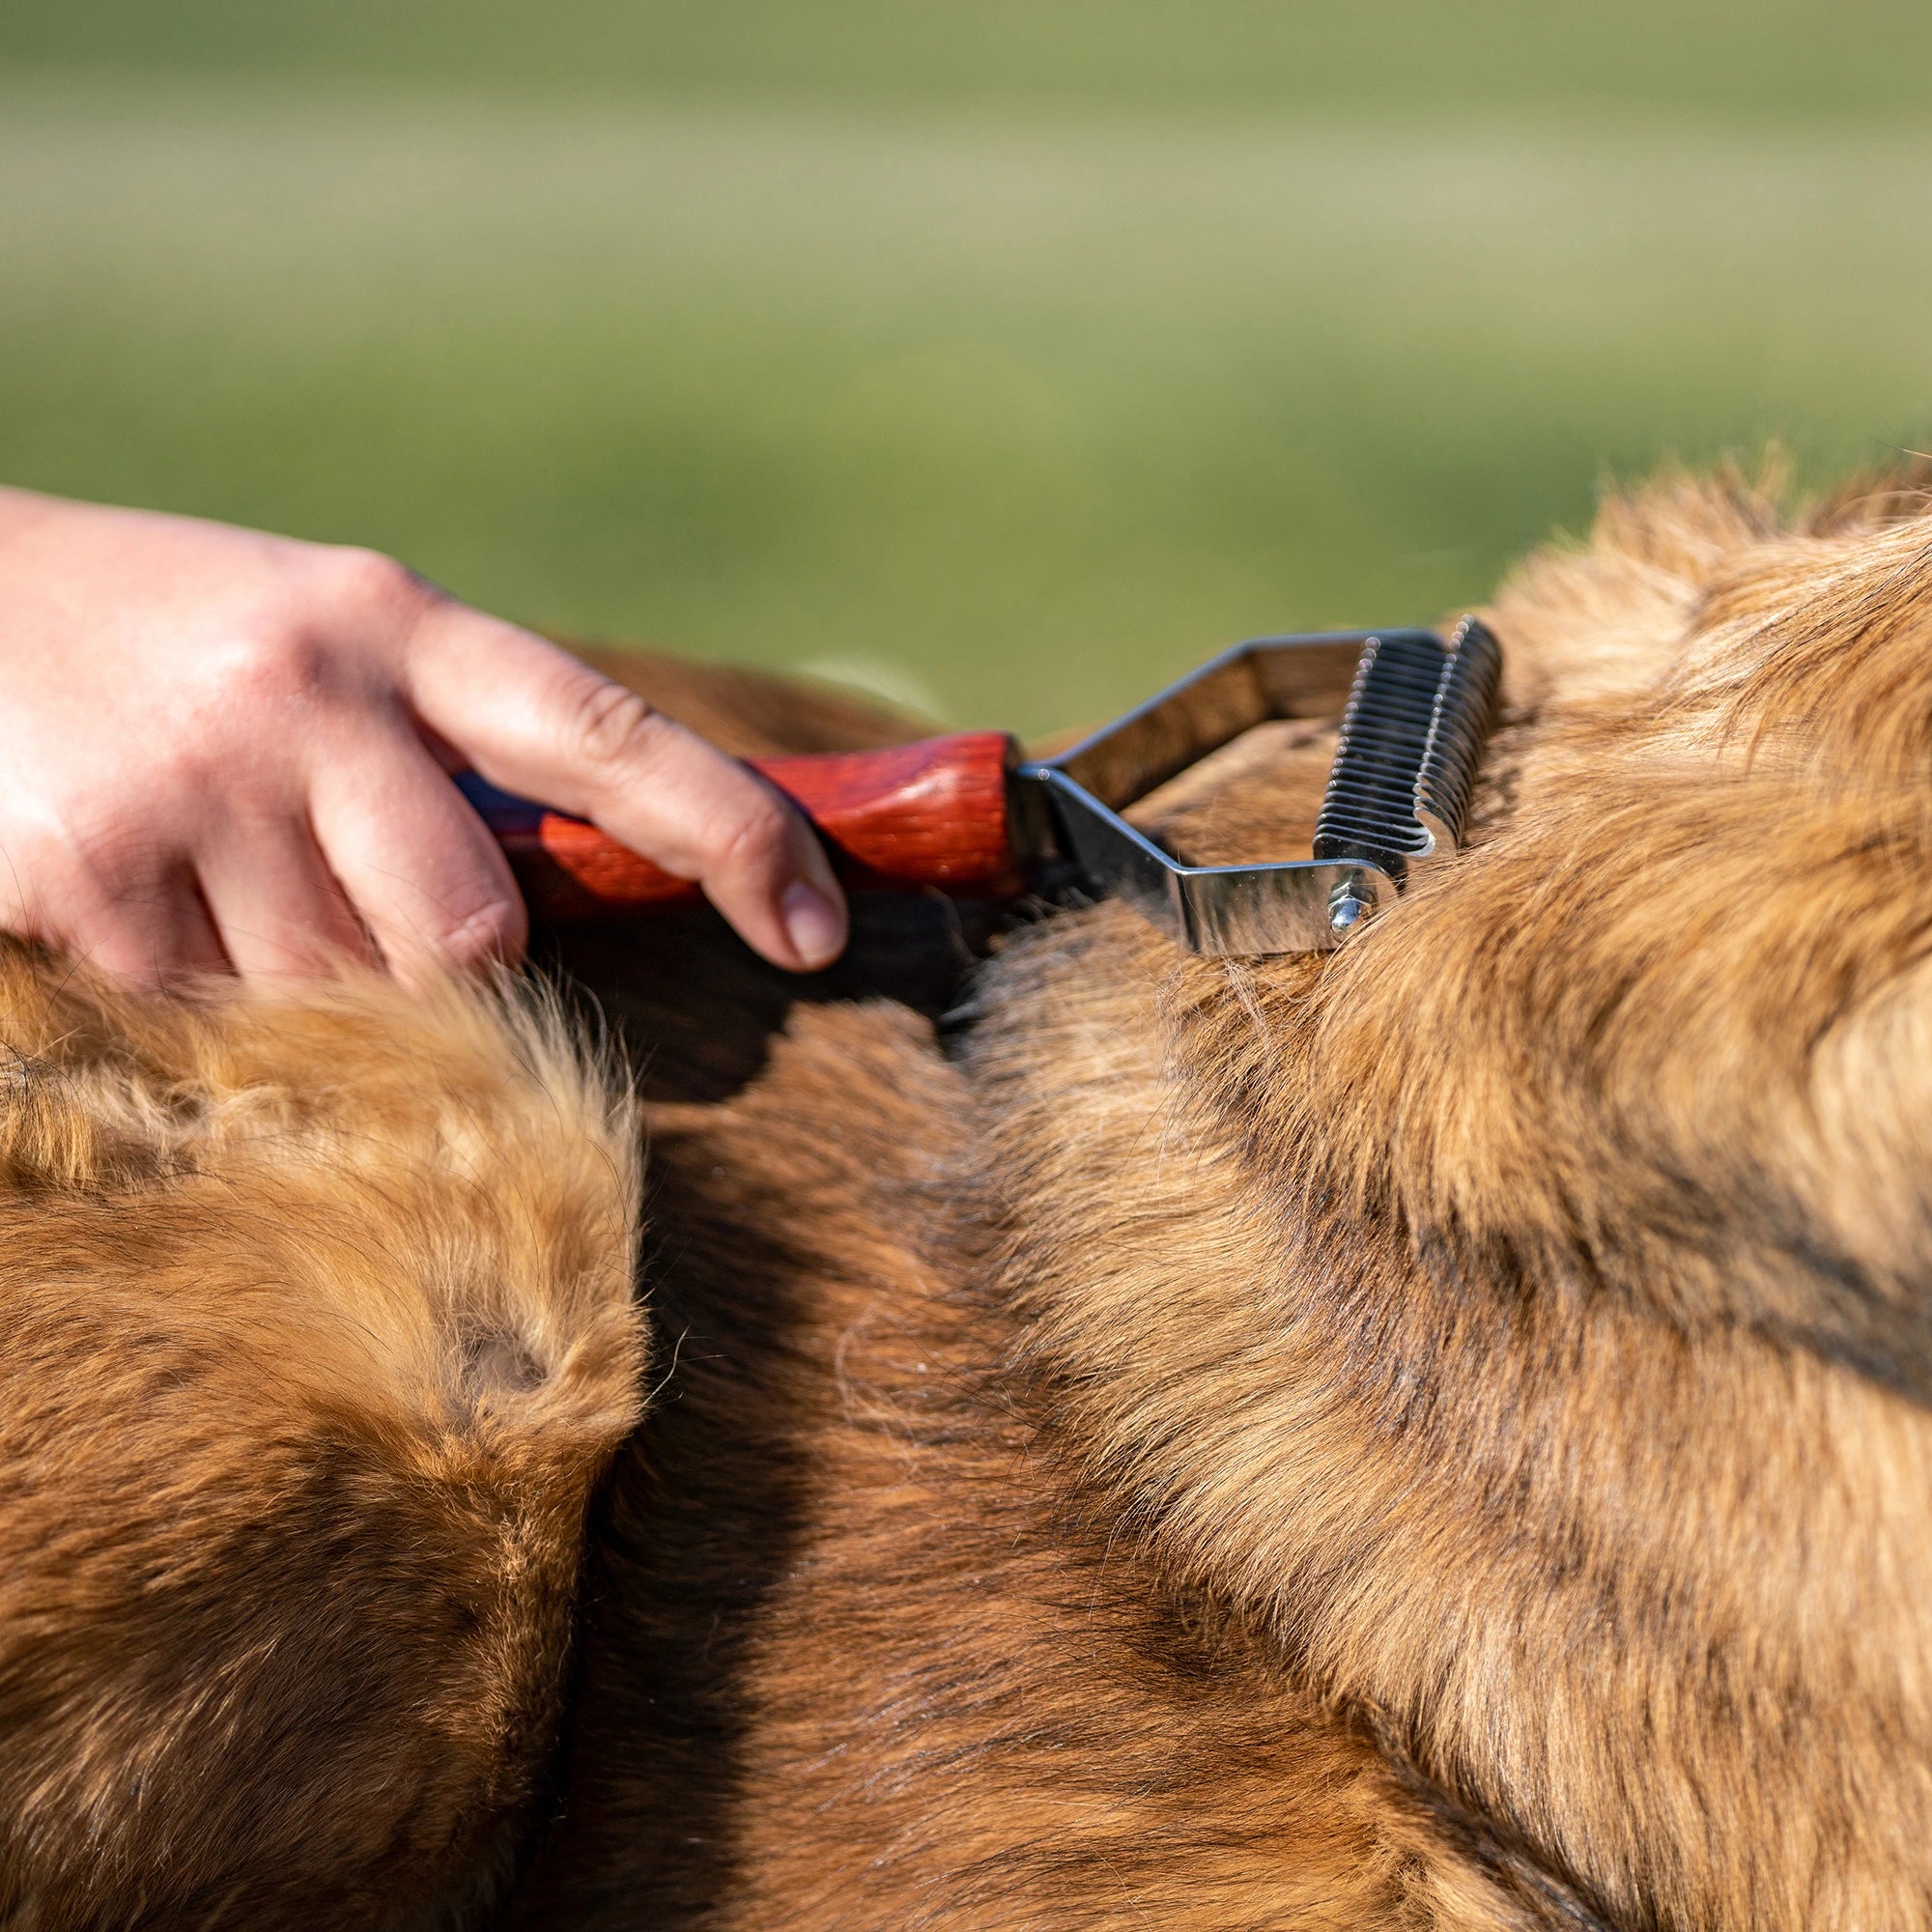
x: 1011, y: 356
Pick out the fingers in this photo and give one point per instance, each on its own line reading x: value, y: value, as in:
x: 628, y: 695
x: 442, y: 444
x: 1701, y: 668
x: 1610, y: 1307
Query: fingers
x: 417, y: 864
x: 153, y: 939
x: 258, y: 899
x: 231, y: 765
x: 422, y: 878
x: 128, y: 909
x: 275, y: 904
x: 535, y: 720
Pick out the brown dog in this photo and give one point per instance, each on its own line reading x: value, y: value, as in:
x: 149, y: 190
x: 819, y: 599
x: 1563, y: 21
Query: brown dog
x: 1434, y: 1438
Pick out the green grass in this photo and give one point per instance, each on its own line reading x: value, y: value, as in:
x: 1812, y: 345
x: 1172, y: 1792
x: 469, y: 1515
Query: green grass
x: 1768, y: 61
x: 1028, y: 406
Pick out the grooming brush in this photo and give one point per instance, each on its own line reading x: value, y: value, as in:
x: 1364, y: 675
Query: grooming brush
x: 967, y: 815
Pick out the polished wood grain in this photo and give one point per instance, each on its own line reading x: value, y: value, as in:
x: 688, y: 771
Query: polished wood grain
x: 934, y: 813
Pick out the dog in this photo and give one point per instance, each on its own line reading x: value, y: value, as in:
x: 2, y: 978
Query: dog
x: 1434, y: 1436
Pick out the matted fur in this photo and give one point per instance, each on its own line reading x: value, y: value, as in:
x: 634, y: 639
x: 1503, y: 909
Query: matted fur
x: 315, y: 1330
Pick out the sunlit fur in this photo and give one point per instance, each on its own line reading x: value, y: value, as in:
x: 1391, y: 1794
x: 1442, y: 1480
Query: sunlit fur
x: 1435, y: 1437
x: 315, y: 1330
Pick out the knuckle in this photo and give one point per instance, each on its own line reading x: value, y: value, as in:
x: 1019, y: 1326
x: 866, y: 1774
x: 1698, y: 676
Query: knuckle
x: 493, y: 931
x: 319, y: 641
x: 755, y: 835
x: 270, y: 668
x: 614, y: 729
x: 117, y: 857
x: 187, y: 769
x: 367, y: 581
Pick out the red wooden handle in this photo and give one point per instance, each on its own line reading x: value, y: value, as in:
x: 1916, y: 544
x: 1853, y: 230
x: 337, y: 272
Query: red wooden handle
x: 934, y: 813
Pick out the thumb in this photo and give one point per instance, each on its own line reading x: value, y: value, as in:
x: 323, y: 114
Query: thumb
x: 535, y: 720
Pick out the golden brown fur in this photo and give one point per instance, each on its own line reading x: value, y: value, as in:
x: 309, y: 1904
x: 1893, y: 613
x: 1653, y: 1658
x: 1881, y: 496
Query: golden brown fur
x: 1435, y: 1438
x: 316, y: 1332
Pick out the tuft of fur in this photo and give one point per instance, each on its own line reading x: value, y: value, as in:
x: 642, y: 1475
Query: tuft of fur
x: 315, y: 1331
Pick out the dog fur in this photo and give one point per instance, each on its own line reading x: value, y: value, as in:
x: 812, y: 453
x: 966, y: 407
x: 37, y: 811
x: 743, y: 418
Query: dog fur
x: 1436, y: 1437
x: 317, y: 1330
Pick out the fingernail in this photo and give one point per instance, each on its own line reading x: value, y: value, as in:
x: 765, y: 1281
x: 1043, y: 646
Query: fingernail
x: 812, y: 924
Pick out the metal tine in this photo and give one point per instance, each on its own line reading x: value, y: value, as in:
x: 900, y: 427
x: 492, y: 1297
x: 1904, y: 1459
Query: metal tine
x: 1465, y: 712
x: 1410, y: 738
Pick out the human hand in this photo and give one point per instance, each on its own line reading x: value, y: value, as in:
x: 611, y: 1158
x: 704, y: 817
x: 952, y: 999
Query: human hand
x: 223, y: 751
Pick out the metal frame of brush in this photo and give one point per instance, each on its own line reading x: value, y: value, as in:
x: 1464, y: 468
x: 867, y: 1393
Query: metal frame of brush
x: 1418, y: 709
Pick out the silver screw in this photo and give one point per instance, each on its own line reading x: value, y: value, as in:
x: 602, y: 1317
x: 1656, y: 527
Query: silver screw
x: 1347, y: 907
